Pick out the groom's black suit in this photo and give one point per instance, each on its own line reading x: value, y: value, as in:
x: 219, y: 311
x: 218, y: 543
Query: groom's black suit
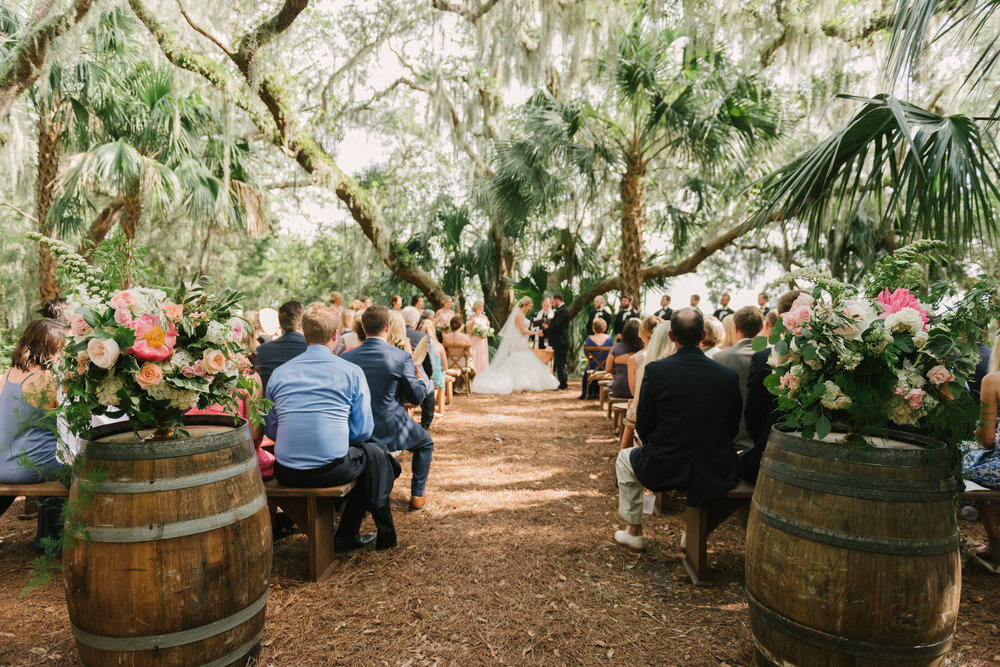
x: 557, y: 334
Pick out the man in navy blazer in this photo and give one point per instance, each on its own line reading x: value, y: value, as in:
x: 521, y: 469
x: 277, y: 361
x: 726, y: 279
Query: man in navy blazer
x: 291, y: 344
x: 392, y: 380
x: 687, y: 417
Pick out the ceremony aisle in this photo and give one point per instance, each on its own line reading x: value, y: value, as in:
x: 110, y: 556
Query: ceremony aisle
x: 511, y: 562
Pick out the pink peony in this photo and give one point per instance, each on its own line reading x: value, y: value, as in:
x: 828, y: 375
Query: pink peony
x: 78, y: 325
x: 149, y: 375
x: 237, y: 329
x: 123, y: 316
x: 152, y: 343
x: 915, y: 397
x: 173, y: 311
x: 939, y: 375
x: 899, y: 299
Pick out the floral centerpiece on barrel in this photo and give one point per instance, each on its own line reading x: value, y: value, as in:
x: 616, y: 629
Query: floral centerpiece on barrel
x: 879, y: 357
x: 142, y: 354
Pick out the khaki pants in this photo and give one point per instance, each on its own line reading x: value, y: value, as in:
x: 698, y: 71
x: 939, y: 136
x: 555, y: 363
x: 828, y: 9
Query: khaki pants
x: 630, y: 490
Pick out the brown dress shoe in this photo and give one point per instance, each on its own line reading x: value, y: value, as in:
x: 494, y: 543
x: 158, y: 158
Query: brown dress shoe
x: 418, y: 502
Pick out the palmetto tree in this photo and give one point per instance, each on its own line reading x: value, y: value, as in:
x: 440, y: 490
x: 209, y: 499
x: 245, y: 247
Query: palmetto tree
x: 669, y: 101
x: 916, y: 172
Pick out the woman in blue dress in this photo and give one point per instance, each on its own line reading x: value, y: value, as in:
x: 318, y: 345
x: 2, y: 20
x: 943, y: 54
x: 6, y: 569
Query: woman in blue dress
x: 982, y: 465
x: 28, y: 440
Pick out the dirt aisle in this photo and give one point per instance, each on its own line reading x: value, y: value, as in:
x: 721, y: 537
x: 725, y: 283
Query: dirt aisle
x: 510, y: 563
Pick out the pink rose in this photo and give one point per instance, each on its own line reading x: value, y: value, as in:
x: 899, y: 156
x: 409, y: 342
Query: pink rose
x: 213, y: 361
x: 103, y: 352
x: 189, y: 371
x: 78, y: 325
x: 120, y: 300
x: 900, y: 391
x: 939, y: 375
x: 149, y: 375
x: 123, y: 316
x: 173, y: 311
x: 238, y: 328
x: 915, y: 398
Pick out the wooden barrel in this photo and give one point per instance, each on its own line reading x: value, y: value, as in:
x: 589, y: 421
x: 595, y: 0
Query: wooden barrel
x: 852, y: 553
x: 175, y: 567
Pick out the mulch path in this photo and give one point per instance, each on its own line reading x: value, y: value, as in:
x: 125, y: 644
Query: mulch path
x: 511, y: 562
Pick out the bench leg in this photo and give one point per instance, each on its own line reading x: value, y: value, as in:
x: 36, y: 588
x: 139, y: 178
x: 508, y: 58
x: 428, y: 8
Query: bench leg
x: 315, y: 516
x: 700, y: 522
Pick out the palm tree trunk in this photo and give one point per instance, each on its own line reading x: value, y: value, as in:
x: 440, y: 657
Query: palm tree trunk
x: 47, y: 169
x: 633, y: 220
x: 131, y: 212
x: 100, y: 227
x: 502, y: 292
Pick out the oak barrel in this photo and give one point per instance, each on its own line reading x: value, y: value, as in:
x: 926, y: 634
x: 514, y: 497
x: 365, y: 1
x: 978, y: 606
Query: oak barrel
x: 852, y: 553
x: 175, y: 566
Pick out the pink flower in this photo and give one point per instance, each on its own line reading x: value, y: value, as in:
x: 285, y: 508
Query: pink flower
x: 123, y: 316
x: 796, y: 317
x: 173, y: 311
x: 789, y: 381
x: 899, y: 299
x: 213, y: 361
x: 189, y: 371
x: 149, y: 375
x: 939, y: 375
x: 103, y: 352
x: 120, y: 300
x: 237, y: 329
x: 152, y: 342
x: 81, y: 362
x: 78, y: 325
x: 198, y: 368
x: 900, y: 391
x: 915, y: 397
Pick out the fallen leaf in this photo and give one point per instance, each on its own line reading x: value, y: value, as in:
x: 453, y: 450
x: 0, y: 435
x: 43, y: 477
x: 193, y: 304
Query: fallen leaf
x: 611, y: 653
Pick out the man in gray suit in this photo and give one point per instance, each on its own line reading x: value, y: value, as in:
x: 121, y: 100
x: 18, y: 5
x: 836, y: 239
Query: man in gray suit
x: 748, y: 322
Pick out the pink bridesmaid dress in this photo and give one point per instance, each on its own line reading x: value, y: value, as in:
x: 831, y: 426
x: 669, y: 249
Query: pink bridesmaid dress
x: 480, y: 347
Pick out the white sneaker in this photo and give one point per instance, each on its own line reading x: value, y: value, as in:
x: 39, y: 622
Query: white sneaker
x: 631, y: 542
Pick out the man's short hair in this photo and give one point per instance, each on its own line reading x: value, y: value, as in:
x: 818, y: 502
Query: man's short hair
x: 627, y: 296
x: 320, y: 323
x: 772, y: 317
x: 375, y: 319
x: 290, y: 315
x: 558, y: 296
x: 696, y: 297
x: 600, y: 326
x: 748, y: 321
x: 687, y: 325
x: 411, y: 316
x: 667, y: 297
x: 786, y: 300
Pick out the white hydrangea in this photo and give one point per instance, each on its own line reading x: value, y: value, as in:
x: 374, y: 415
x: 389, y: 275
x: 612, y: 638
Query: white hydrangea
x: 920, y: 338
x: 107, y: 391
x: 849, y: 361
x: 179, y: 360
x: 909, y: 376
x: 180, y: 399
x: 218, y: 333
x: 834, y: 398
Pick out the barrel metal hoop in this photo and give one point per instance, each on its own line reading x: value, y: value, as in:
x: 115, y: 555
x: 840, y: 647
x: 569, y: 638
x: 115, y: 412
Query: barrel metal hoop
x: 175, y: 483
x: 241, y: 652
x: 836, y: 538
x: 134, y: 450
x: 891, y: 490
x: 152, y: 642
x: 179, y: 529
x: 845, y: 645
x: 930, y: 452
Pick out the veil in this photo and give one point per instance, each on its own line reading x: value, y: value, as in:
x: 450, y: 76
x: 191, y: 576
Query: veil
x: 509, y: 336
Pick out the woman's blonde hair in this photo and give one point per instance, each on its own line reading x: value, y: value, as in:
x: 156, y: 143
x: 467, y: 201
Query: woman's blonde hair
x: 729, y: 325
x: 648, y: 325
x: 660, y: 345
x: 397, y: 329
x: 524, y: 301
x: 714, y: 333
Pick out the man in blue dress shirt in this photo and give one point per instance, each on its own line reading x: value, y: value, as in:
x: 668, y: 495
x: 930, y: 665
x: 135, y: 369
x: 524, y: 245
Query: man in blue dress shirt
x: 290, y: 345
x: 320, y: 422
x: 392, y: 380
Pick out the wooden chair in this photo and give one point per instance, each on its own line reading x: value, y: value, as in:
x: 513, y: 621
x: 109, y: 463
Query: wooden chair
x: 605, y: 390
x: 590, y: 352
x: 460, y: 359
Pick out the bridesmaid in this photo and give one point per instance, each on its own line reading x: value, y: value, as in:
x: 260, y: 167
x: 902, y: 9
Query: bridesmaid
x: 442, y: 318
x: 480, y: 349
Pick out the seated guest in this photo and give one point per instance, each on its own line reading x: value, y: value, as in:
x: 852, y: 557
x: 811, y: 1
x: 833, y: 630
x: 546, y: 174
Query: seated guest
x: 392, y: 380
x: 617, y: 362
x: 747, y: 323
x: 635, y: 364
x: 28, y: 441
x: 397, y: 332
x: 982, y: 369
x: 347, y: 339
x: 761, y: 405
x: 290, y: 345
x: 454, y: 336
x: 599, y: 338
x: 411, y: 317
x: 982, y: 465
x: 714, y: 335
x: 681, y: 448
x: 439, y: 361
x: 320, y: 422
x: 731, y: 338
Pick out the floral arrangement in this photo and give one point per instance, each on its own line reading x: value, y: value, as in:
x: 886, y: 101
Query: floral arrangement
x: 880, y: 357
x: 141, y: 354
x: 481, y: 331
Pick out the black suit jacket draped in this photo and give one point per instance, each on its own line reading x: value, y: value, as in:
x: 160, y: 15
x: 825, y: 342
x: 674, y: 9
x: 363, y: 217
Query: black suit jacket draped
x: 688, y: 414
x: 558, y: 331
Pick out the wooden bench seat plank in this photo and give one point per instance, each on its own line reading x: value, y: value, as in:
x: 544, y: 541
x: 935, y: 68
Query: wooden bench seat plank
x: 276, y: 490
x: 42, y: 489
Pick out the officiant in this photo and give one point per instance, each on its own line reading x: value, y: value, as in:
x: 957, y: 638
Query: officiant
x: 541, y: 322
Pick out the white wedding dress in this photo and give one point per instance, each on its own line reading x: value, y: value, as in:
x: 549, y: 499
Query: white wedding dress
x: 514, y: 366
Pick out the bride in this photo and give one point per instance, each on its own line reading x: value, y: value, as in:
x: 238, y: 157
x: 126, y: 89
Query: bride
x: 515, y: 367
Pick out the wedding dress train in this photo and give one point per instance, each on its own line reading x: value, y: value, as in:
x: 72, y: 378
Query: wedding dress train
x: 514, y: 366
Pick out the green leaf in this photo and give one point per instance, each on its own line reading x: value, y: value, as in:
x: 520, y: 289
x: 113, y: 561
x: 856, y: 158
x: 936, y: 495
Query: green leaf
x: 781, y: 348
x: 125, y: 337
x: 808, y: 352
x: 772, y: 380
x: 89, y: 316
x: 823, y: 427
x: 810, y: 418
x: 904, y: 342
x: 759, y: 343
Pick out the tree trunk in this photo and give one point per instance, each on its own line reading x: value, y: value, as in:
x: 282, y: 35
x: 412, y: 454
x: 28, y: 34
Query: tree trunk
x: 100, y: 227
x: 47, y: 169
x: 131, y: 212
x: 633, y: 221
x: 502, y: 290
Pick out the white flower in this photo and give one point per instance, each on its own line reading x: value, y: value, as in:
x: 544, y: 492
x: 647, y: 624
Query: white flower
x: 862, y: 313
x: 179, y: 360
x: 878, y: 339
x: 103, y: 352
x: 849, y: 361
x: 180, y: 399
x: 920, y: 338
x: 107, y: 391
x: 906, y: 320
x: 218, y: 333
x: 834, y: 398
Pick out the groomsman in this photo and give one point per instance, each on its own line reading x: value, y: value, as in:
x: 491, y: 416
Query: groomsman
x: 665, y: 310
x: 723, y: 309
x: 541, y: 321
x: 626, y: 313
x: 599, y: 311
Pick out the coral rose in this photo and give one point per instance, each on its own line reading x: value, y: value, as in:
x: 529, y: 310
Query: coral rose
x: 173, y: 311
x: 152, y: 342
x: 213, y: 361
x: 149, y: 375
x: 103, y: 352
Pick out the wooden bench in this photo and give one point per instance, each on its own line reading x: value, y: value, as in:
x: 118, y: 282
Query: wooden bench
x: 313, y: 511
x: 701, y: 521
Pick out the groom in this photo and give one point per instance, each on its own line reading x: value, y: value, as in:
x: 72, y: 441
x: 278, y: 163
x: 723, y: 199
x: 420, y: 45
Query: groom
x: 557, y: 334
